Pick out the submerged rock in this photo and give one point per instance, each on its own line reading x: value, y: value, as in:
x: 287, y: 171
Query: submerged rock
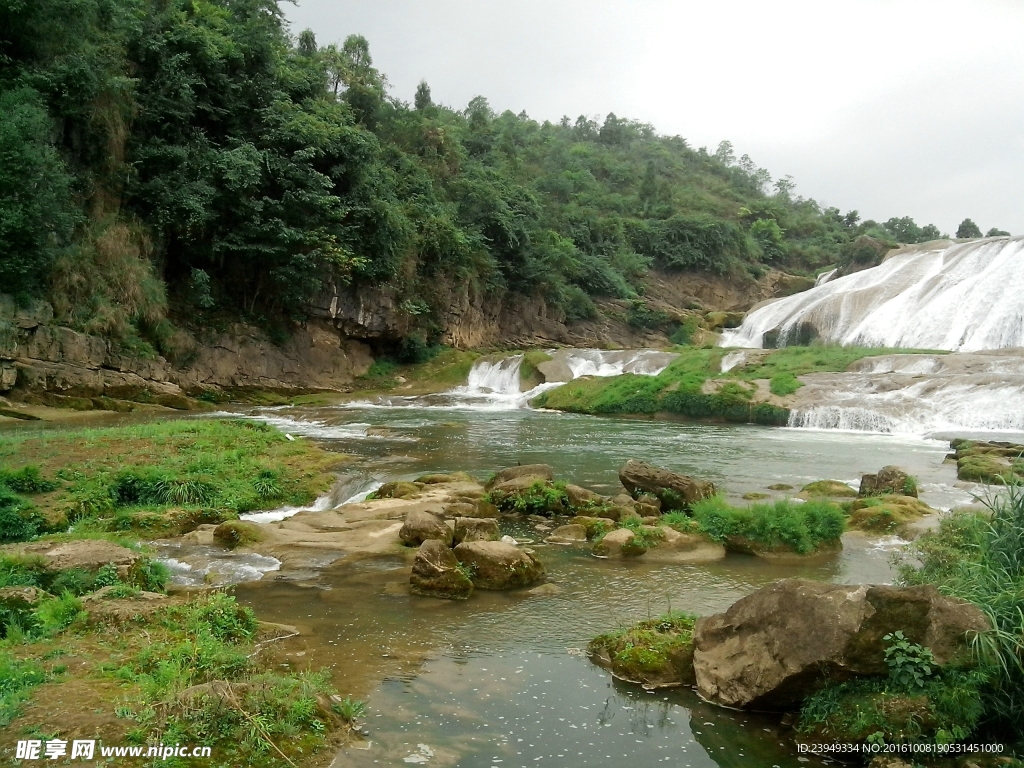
x: 888, y: 480
x: 436, y: 573
x: 497, y: 565
x: 422, y: 526
x: 476, y: 529
x: 826, y: 489
x: 777, y: 646
x: 675, y: 491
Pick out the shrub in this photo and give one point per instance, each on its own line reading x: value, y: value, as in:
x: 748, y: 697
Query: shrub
x: 26, y: 480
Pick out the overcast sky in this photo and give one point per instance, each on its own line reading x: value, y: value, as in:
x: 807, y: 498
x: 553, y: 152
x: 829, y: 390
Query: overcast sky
x: 891, y: 107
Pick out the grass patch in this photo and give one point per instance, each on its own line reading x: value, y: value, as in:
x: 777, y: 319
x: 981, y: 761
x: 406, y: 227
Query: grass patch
x: 801, y: 528
x: 980, y: 558
x: 17, y: 678
x: 540, y: 498
x: 656, y: 651
x: 117, y: 478
x: 680, y: 388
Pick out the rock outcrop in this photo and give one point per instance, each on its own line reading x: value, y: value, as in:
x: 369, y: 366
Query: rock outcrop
x: 775, y: 647
x: 675, y: 491
x: 497, y: 565
x: 890, y: 480
x: 436, y: 573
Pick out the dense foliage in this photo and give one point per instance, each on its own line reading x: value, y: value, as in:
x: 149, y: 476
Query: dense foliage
x: 194, y: 149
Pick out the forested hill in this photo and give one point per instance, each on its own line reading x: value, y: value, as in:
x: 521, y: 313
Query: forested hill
x: 169, y: 158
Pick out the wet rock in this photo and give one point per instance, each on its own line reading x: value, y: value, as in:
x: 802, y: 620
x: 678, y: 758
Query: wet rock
x: 568, y: 534
x: 594, y: 526
x: 397, y: 489
x: 779, y: 645
x: 613, y: 543
x: 545, y: 590
x: 420, y: 526
x: 674, y: 490
x: 497, y: 565
x: 237, y: 533
x: 582, y: 498
x: 891, y: 480
x: 436, y: 573
x: 542, y: 471
x: 828, y: 489
x: 476, y: 529
x: 676, y: 547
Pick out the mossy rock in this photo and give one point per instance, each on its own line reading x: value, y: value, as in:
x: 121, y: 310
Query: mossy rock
x: 398, y: 489
x: 439, y: 477
x: 886, y: 514
x: 529, y: 376
x: 657, y: 653
x: 595, y: 526
x: 780, y: 487
x: 530, y: 495
x: 237, y: 533
x: 827, y: 489
x: 755, y: 496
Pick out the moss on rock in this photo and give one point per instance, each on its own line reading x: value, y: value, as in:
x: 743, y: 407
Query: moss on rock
x: 657, y: 653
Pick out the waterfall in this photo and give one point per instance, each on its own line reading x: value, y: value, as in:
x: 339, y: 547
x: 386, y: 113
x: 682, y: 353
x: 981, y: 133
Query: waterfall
x: 960, y: 296
x: 600, y: 362
x: 917, y: 394
x: 499, y: 377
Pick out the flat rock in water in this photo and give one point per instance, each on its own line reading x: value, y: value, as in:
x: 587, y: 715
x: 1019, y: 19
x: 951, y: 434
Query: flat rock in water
x: 497, y: 565
x: 779, y: 645
x: 573, y: 533
x: 436, y: 573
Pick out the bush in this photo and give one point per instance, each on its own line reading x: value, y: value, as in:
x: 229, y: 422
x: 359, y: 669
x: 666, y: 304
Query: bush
x: 28, y: 479
x: 784, y: 524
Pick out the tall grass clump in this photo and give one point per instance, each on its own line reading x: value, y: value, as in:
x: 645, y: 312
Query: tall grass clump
x: 980, y: 558
x: 801, y: 527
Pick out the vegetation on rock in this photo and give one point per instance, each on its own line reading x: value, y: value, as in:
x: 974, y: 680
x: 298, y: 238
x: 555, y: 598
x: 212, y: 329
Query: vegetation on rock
x: 766, y: 528
x: 656, y: 652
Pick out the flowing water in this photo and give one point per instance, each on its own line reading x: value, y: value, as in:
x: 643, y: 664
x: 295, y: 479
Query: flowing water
x: 501, y: 680
x: 962, y: 296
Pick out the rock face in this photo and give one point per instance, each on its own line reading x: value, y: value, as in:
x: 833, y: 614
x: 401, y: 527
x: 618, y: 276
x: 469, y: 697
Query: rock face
x: 497, y: 565
x: 673, y: 490
x: 422, y: 526
x: 888, y: 480
x: 476, y: 529
x: 775, y: 647
x: 539, y: 471
x: 436, y: 573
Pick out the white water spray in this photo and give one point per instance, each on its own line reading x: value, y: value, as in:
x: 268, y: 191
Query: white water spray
x: 962, y: 296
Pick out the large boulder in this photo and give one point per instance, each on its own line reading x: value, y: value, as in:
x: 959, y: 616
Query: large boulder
x: 436, y: 573
x: 530, y: 494
x: 422, y: 526
x: 888, y: 480
x: 617, y: 543
x: 777, y: 646
x: 540, y: 471
x: 675, y: 491
x: 476, y: 529
x: 498, y: 565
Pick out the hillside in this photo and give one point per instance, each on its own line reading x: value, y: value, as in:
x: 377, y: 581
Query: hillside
x: 178, y: 166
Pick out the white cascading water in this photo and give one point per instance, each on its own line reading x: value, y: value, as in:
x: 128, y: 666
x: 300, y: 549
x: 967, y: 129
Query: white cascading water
x: 962, y: 297
x: 600, y: 362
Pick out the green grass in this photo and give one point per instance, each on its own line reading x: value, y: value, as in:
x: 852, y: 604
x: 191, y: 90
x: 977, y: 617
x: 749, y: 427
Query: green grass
x: 17, y: 678
x: 981, y: 559
x: 214, y: 468
x: 680, y: 387
x: 803, y: 528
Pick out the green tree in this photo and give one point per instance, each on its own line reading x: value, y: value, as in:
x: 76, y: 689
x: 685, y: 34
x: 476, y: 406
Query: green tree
x: 967, y: 229
x: 995, y: 232
x: 422, y: 98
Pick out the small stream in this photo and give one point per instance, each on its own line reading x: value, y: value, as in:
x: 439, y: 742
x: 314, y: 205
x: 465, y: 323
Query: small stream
x: 501, y: 679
